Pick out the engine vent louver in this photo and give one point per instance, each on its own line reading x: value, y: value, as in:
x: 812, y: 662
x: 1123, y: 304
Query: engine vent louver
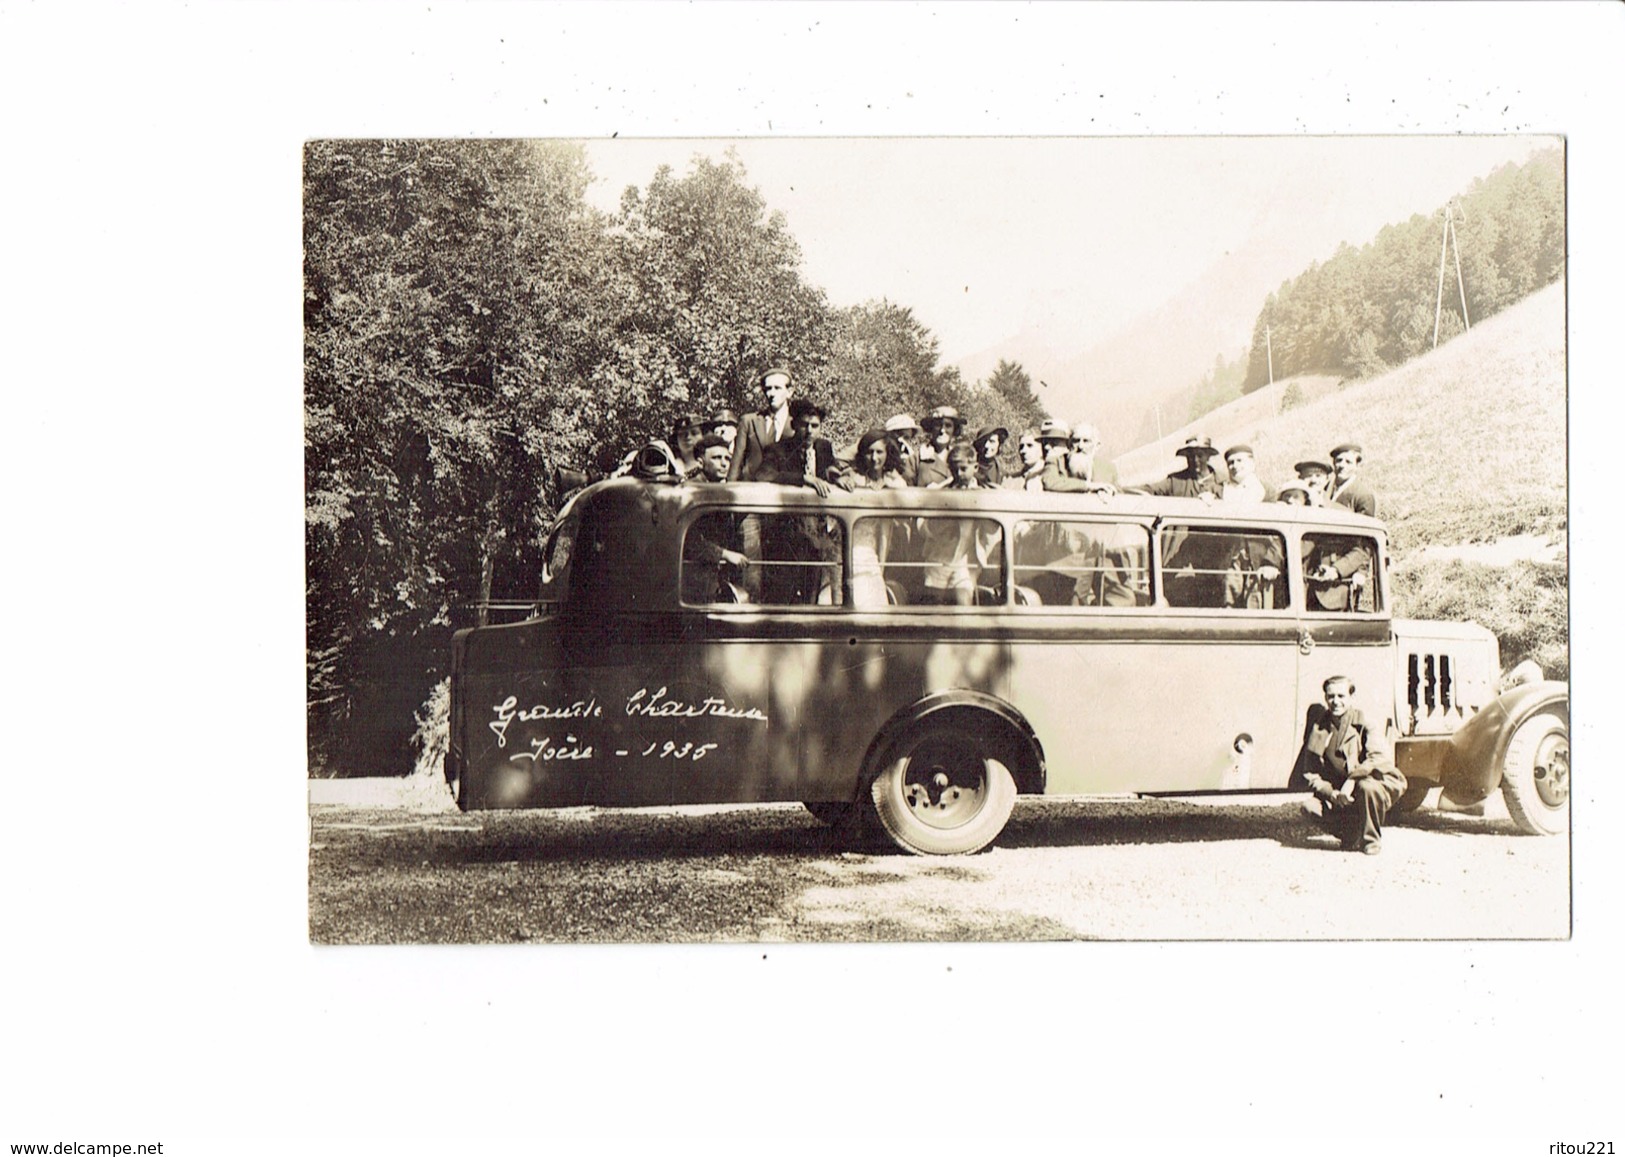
x: 1430, y: 681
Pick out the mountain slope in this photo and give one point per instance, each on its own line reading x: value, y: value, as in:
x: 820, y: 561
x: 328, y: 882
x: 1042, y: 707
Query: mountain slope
x: 1464, y: 444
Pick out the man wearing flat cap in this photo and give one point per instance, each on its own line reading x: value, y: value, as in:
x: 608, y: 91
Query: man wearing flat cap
x: 1244, y: 484
x: 1316, y: 477
x: 1349, y: 491
x: 1197, y: 479
x: 763, y: 428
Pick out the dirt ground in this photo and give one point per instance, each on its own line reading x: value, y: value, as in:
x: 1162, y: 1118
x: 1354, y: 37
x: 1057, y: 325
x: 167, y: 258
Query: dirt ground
x: 393, y: 862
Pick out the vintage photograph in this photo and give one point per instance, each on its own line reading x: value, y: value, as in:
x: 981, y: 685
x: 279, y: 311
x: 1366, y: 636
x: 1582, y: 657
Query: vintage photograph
x: 936, y: 539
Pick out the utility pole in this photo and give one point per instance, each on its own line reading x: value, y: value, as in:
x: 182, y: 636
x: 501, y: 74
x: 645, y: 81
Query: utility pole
x: 1269, y: 353
x: 1447, y: 242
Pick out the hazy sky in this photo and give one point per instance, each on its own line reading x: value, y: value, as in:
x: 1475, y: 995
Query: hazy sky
x: 984, y: 237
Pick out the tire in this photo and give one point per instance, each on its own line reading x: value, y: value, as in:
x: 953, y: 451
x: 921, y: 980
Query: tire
x: 1535, y: 775
x: 829, y: 812
x: 944, y: 791
x: 1415, y: 794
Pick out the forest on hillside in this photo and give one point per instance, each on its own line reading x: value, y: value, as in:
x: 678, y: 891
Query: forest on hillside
x: 472, y: 323
x: 1366, y: 310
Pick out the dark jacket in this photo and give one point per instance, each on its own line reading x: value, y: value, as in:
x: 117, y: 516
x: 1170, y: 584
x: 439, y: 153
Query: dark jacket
x: 1332, y: 753
x: 786, y: 463
x: 1187, y: 483
x: 751, y: 441
x: 1358, y: 497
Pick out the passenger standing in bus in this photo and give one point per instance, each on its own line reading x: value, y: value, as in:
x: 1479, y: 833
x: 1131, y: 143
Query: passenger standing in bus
x: 1056, y: 439
x: 1244, y: 484
x: 989, y: 441
x: 1085, y: 460
x: 875, y: 468
x: 904, y: 434
x: 725, y: 425
x: 944, y: 426
x: 805, y: 458
x: 686, y: 433
x: 1346, y: 763
x: 764, y: 428
x: 1293, y: 492
x: 714, y: 456
x: 1030, y: 453
x: 1317, y: 477
x: 713, y: 541
x: 1351, y: 492
x: 1197, y: 479
x: 955, y: 549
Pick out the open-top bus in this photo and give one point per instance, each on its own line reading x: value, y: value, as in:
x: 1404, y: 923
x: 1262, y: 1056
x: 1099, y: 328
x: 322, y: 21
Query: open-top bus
x: 921, y: 657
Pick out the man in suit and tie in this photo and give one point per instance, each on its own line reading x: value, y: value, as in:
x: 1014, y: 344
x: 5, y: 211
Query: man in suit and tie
x: 809, y: 544
x: 804, y: 458
x: 764, y: 428
x: 1346, y: 762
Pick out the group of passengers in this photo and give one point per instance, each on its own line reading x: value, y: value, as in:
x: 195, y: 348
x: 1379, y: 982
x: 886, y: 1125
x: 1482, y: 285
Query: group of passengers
x: 782, y: 443
x: 1318, y: 483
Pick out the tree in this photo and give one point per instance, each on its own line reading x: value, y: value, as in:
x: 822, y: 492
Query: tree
x: 713, y: 294
x: 449, y: 318
x: 1014, y: 385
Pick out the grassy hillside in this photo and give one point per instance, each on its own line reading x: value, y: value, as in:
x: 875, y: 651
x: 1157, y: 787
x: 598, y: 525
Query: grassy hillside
x: 1465, y: 444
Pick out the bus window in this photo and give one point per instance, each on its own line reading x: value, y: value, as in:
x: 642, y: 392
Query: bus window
x: 790, y: 560
x: 932, y: 561
x: 556, y: 557
x: 1223, y: 569
x: 1339, y: 574
x: 1082, y: 564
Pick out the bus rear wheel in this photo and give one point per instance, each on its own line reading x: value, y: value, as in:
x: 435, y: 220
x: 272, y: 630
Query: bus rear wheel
x: 1535, y: 775
x: 943, y: 791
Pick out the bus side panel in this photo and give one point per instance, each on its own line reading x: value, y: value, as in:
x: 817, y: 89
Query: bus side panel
x: 1124, y: 715
x: 856, y: 686
x: 633, y: 726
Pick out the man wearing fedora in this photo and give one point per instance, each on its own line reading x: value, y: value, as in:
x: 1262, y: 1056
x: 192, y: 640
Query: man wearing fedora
x: 903, y: 435
x: 1197, y: 479
x: 1349, y: 491
x: 944, y: 426
x: 725, y: 425
x: 764, y: 428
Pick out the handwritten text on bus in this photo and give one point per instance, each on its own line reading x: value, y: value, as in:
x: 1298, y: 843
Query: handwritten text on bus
x: 642, y: 703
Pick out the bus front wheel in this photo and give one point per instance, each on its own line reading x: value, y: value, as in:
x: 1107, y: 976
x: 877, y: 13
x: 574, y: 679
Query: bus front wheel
x: 1535, y: 775
x: 944, y: 791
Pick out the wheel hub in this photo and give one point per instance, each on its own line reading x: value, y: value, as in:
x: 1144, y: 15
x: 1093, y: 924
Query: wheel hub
x: 945, y: 791
x: 1552, y: 772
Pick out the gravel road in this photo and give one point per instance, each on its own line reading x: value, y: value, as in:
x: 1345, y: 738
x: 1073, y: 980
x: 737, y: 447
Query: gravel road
x: 417, y: 871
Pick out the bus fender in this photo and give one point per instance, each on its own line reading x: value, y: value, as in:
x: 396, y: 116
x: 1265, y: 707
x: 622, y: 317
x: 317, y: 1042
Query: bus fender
x: 1472, y: 767
x: 939, y: 706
